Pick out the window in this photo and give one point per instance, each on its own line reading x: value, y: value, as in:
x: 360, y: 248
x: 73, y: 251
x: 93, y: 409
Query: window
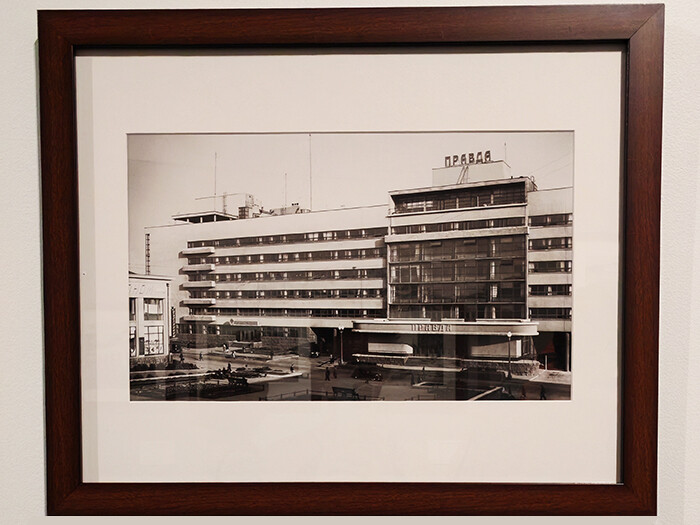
x: 154, y: 340
x: 132, y: 309
x: 558, y: 219
x: 153, y: 309
x: 550, y: 289
x: 550, y: 266
x: 132, y: 341
x: 555, y: 243
x: 550, y: 313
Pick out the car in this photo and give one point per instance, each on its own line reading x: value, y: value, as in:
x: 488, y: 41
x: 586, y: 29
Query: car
x: 367, y: 372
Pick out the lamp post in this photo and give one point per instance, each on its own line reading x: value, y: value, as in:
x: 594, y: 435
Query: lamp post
x: 341, y: 345
x: 510, y: 375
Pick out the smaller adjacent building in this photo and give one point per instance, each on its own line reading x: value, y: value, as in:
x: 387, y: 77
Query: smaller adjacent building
x: 149, y: 318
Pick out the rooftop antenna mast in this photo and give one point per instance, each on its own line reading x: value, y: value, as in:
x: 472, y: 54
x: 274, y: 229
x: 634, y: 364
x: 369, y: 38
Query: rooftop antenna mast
x: 310, y: 178
x: 215, y: 158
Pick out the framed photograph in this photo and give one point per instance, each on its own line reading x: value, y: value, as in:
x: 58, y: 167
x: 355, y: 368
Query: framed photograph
x: 365, y: 261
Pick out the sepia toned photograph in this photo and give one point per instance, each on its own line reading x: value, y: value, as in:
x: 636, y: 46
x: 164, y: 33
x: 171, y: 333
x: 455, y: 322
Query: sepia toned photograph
x: 430, y: 266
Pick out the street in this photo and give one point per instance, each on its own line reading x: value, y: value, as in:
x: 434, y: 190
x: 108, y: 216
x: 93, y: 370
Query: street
x: 292, y: 377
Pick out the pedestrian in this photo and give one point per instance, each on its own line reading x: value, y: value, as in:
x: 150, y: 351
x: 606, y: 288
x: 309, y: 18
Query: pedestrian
x: 328, y: 374
x: 291, y: 368
x: 200, y: 356
x: 543, y: 394
x: 229, y: 367
x: 182, y: 357
x: 335, y: 372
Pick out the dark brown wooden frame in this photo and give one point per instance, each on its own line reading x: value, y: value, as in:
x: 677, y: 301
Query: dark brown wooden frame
x: 637, y: 27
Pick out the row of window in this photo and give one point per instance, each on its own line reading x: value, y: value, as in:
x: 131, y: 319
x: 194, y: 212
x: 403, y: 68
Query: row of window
x: 287, y: 312
x: 460, y: 271
x: 549, y: 266
x: 504, y: 246
x: 153, y: 340
x: 241, y: 333
x: 556, y: 219
x: 554, y: 243
x: 509, y: 290
x: 314, y: 275
x: 362, y: 233
x: 550, y: 313
x: 327, y: 255
x: 459, y: 199
x: 466, y: 312
x: 480, y: 224
x: 550, y: 289
x: 297, y: 294
x: 477, y: 311
x: 458, y: 293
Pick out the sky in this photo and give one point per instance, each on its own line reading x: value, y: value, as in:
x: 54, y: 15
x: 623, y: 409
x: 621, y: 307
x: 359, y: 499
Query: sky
x: 167, y: 172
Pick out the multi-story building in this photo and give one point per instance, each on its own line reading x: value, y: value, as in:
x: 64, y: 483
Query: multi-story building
x: 550, y: 218
x: 149, y: 318
x: 457, y: 265
x: 476, y: 266
x: 288, y: 280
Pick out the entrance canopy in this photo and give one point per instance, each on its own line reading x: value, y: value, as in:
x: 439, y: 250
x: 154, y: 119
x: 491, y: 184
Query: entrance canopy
x: 501, y: 327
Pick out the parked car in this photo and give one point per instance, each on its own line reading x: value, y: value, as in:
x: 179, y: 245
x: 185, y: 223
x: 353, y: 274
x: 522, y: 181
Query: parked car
x: 367, y: 372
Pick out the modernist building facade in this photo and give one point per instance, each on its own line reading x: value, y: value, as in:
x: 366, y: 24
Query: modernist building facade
x: 149, y: 318
x: 478, y: 265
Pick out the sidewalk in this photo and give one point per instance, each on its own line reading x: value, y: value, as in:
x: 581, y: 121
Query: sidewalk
x: 558, y: 377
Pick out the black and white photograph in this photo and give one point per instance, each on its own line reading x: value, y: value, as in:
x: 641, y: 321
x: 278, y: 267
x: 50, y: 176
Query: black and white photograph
x: 424, y: 266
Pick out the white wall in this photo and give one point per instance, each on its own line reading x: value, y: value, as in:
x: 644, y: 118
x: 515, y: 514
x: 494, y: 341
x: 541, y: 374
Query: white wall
x: 22, y: 467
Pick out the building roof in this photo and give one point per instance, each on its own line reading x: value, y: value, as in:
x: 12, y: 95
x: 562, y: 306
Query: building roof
x: 149, y: 277
x: 451, y: 187
x: 205, y: 216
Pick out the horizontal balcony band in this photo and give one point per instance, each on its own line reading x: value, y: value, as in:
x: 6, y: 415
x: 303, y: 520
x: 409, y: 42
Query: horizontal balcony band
x: 550, y: 278
x: 198, y: 284
x: 199, y: 301
x: 320, y: 284
x: 332, y: 264
x: 320, y: 303
x: 207, y: 267
x: 199, y: 318
x: 287, y: 322
x: 560, y: 254
x: 315, y: 246
x: 554, y: 325
x: 549, y: 301
x: 202, y: 250
x: 546, y: 232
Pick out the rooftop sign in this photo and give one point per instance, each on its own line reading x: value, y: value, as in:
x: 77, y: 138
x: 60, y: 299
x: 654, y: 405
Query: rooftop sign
x: 468, y: 158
